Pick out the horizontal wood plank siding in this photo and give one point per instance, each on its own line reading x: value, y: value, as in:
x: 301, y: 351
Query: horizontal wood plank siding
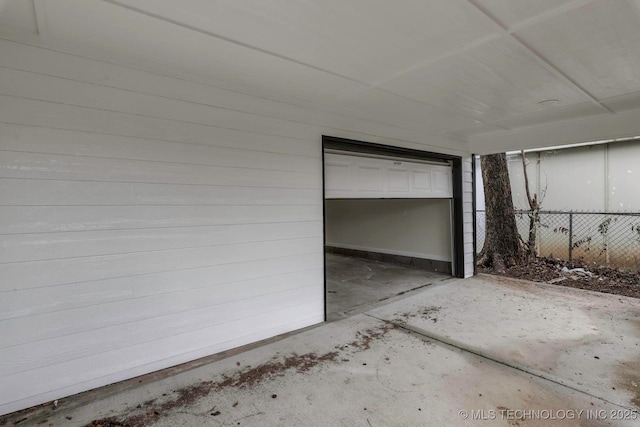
x: 147, y: 220
x: 60, y: 192
x: 467, y: 199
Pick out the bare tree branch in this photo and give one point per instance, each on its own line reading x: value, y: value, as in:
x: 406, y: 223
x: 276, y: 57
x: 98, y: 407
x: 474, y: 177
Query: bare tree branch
x: 532, y: 201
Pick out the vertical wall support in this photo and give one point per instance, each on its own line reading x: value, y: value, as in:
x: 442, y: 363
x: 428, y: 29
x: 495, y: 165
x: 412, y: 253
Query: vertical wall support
x: 452, y: 251
x: 324, y: 234
x: 458, y: 217
x: 475, y: 215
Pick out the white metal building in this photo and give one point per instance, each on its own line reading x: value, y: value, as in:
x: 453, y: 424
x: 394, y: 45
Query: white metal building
x: 161, y: 162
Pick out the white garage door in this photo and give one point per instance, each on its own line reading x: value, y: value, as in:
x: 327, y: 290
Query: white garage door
x: 360, y: 176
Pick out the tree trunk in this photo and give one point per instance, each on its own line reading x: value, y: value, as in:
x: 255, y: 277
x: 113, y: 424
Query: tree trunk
x: 502, y: 242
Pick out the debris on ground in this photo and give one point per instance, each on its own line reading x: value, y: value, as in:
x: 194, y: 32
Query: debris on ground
x: 364, y: 339
x: 427, y: 313
x: 576, y: 271
x: 152, y: 410
x: 107, y: 422
x: 575, y: 275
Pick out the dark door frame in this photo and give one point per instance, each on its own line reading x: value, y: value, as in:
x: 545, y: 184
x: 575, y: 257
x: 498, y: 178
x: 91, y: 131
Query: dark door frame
x: 343, y: 144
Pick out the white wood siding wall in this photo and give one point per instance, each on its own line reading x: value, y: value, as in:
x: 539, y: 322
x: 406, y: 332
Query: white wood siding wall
x: 148, y: 220
x: 467, y: 200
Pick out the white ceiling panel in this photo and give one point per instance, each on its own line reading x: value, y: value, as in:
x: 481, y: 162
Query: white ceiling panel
x: 112, y: 31
x: 622, y: 103
x: 583, y: 129
x: 388, y: 107
x: 462, y: 68
x: 512, y: 13
x: 366, y: 40
x: 491, y: 82
x: 597, y: 45
x: 465, y: 134
x: 18, y: 17
x: 546, y: 115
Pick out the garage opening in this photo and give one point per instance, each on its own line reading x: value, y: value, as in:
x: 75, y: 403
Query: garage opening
x: 390, y: 223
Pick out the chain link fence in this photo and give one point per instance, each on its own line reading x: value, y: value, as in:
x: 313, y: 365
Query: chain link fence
x: 597, y: 238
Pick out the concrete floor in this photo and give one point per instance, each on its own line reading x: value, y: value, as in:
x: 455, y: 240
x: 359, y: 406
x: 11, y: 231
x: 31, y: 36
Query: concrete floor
x: 353, y: 284
x: 477, y: 352
x: 586, y: 340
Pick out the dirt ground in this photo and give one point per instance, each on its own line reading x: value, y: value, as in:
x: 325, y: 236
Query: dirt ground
x: 599, y: 279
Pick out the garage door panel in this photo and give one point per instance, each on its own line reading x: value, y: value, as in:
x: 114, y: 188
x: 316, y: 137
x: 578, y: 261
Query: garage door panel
x: 442, y: 181
x: 369, y: 178
x: 350, y: 176
x: 338, y: 176
x: 397, y: 180
x: 421, y: 181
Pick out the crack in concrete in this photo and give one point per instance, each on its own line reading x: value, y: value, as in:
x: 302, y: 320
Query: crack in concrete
x: 447, y: 341
x: 360, y: 309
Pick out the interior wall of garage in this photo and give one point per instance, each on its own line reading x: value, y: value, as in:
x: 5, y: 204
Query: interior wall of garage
x: 148, y: 220
x: 419, y: 228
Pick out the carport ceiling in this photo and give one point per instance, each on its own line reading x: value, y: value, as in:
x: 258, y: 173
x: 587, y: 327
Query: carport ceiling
x: 500, y: 74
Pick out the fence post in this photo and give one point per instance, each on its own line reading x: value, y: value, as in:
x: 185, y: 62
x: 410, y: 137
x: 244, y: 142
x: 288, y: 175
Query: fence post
x: 570, y: 236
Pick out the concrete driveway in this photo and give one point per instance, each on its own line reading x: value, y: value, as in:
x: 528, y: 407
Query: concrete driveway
x: 477, y: 352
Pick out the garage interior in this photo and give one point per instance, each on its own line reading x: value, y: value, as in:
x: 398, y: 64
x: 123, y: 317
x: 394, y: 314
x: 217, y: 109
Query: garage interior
x: 388, y: 227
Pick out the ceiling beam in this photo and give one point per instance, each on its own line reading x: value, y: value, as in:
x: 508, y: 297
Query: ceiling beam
x: 548, y: 14
x: 534, y: 54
